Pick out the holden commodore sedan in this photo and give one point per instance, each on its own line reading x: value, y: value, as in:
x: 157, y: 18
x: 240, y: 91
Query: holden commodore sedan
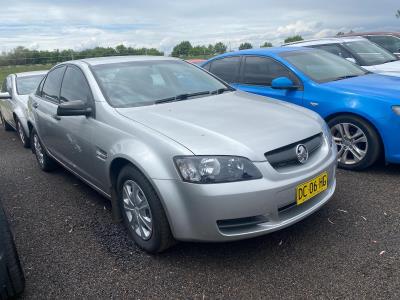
x: 14, y: 102
x: 182, y: 155
x: 362, y: 109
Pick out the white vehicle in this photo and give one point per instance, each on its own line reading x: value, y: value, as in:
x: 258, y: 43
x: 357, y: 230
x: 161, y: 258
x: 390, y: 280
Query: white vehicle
x: 359, y: 51
x: 14, y: 100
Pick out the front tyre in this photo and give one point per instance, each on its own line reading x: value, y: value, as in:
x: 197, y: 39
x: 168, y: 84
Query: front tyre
x: 46, y: 163
x: 142, y: 211
x: 22, y: 136
x: 357, y: 142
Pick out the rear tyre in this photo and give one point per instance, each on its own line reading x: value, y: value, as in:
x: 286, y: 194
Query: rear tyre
x: 46, y: 163
x: 22, y: 136
x: 357, y: 141
x: 142, y: 211
x: 6, y: 126
x: 13, y: 282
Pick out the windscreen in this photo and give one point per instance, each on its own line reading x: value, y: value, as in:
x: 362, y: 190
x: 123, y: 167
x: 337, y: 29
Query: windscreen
x: 144, y: 83
x: 322, y: 66
x: 28, y: 84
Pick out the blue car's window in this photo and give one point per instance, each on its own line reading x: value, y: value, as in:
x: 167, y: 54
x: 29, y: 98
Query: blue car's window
x: 28, y: 84
x: 370, y: 53
x: 262, y: 70
x: 226, y: 68
x: 143, y: 83
x: 322, y: 66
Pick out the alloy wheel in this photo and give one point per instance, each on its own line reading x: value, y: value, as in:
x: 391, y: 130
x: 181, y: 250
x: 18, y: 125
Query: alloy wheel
x: 21, y: 132
x: 137, y: 210
x: 38, y: 149
x: 351, y: 141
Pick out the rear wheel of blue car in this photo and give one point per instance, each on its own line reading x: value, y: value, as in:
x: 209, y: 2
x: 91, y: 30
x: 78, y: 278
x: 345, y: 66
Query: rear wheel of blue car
x: 142, y: 211
x: 357, y: 141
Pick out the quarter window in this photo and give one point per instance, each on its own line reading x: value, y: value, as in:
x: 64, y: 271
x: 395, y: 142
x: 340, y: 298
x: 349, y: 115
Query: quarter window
x: 74, y: 86
x: 226, y: 68
x: 262, y: 70
x: 51, y: 87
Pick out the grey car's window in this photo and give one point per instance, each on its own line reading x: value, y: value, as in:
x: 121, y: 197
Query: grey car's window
x: 335, y: 49
x: 74, y: 86
x: 143, y: 83
x: 52, y: 84
x: 28, y: 84
x: 262, y: 70
x: 226, y: 68
x: 322, y: 66
x: 369, y: 53
x: 390, y: 43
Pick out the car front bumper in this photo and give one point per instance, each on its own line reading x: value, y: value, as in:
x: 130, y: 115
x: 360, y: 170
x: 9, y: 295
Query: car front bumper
x: 239, y: 210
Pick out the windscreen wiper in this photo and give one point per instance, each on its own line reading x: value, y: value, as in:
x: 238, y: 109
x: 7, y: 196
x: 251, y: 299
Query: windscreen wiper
x: 222, y: 90
x: 181, y: 97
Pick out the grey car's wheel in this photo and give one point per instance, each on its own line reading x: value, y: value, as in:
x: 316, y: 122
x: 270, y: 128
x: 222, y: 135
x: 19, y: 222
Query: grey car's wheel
x: 46, y: 163
x: 6, y: 126
x: 142, y: 211
x: 358, y: 143
x: 22, y: 136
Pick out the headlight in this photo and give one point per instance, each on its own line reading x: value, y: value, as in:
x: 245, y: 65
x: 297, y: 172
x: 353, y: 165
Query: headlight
x: 327, y: 134
x: 396, y: 109
x: 216, y: 169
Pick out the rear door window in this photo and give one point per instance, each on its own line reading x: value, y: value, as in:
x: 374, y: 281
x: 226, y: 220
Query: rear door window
x: 226, y: 68
x: 390, y: 43
x: 52, y: 84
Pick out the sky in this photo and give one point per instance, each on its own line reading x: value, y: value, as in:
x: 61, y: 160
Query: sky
x: 53, y: 24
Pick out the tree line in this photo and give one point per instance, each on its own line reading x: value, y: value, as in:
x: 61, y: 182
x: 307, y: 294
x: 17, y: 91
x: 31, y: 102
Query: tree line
x: 25, y: 56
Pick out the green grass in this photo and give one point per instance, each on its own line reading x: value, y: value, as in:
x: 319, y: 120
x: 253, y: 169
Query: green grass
x: 4, y: 71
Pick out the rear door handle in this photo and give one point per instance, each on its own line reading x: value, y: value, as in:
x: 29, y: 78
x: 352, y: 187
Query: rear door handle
x: 35, y: 105
x: 314, y: 103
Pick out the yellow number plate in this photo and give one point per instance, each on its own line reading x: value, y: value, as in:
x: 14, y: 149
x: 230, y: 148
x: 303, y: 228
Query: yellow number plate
x: 311, y: 188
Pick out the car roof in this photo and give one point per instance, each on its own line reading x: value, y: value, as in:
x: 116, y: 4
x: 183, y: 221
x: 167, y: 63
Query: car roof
x: 324, y: 41
x: 31, y: 73
x: 122, y: 59
x: 372, y: 33
x: 264, y: 51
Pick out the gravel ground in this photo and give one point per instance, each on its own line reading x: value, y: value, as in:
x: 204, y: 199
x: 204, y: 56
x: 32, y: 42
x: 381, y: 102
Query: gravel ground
x: 71, y: 249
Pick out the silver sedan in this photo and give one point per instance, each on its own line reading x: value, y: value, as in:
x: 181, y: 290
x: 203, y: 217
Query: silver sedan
x: 14, y: 99
x: 180, y: 154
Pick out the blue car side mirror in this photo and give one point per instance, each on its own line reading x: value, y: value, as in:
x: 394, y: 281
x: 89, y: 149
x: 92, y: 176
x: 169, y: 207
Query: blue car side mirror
x: 283, y: 83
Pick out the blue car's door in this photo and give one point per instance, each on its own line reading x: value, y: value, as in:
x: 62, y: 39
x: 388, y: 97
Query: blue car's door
x: 257, y: 74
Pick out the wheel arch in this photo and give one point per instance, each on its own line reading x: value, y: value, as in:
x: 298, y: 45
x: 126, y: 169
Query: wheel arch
x: 115, y: 167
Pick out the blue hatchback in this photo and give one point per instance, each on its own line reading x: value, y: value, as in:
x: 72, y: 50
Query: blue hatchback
x: 362, y: 109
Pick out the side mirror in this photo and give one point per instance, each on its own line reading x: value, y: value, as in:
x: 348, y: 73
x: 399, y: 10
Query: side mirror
x: 283, y: 83
x: 5, y: 96
x: 73, y: 108
x: 350, y: 59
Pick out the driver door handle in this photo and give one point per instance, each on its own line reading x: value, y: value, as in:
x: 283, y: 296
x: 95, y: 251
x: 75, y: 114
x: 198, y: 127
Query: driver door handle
x: 58, y: 118
x: 35, y: 105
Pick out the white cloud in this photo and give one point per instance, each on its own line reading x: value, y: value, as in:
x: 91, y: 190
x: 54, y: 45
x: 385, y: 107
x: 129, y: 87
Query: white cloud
x: 49, y: 24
